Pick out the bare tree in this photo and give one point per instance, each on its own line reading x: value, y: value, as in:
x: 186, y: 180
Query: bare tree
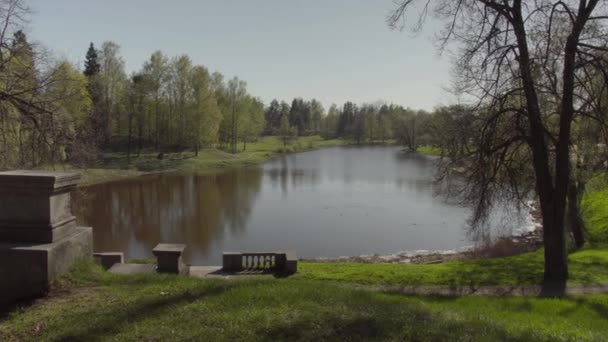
x: 531, y: 68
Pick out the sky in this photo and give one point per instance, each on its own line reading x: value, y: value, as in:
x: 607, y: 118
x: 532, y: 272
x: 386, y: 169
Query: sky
x: 331, y: 50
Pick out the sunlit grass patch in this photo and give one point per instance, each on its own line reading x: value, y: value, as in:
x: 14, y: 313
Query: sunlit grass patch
x: 430, y: 150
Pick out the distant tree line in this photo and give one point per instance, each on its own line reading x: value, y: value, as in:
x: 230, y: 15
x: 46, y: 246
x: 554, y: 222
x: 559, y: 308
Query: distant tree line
x: 362, y: 124
x: 52, y: 111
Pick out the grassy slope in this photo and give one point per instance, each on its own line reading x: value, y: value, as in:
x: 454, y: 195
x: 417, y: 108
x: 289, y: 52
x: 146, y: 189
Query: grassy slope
x: 180, y: 308
x: 595, y: 209
x: 116, y: 166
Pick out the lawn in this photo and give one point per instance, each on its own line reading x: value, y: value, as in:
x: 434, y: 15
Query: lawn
x: 588, y: 267
x: 94, y: 305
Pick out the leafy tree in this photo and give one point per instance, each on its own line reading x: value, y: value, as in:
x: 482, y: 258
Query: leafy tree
x: 236, y: 95
x: 112, y: 82
x: 317, y: 112
x: 384, y: 123
x: 253, y: 120
x: 207, y: 117
x: 287, y: 133
x: 273, y: 117
x: 157, y: 72
x: 330, y: 122
x: 406, y: 128
x: 136, y: 96
x: 181, y: 69
x: 70, y: 105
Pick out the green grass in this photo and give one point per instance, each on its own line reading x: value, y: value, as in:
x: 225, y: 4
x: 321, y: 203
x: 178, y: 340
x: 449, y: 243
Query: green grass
x: 114, y: 166
x: 429, y: 150
x: 595, y: 209
x: 100, y: 306
x: 588, y: 267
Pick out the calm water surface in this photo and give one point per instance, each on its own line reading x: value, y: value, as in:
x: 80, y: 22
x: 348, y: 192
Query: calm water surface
x: 331, y: 202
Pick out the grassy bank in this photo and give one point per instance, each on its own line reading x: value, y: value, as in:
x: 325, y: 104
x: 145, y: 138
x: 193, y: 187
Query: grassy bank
x: 595, y: 209
x: 588, y: 267
x: 94, y: 305
x: 321, y: 302
x: 114, y: 166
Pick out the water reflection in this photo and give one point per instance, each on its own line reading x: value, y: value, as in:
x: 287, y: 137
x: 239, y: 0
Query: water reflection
x: 133, y: 216
x: 284, y: 174
x: 331, y: 202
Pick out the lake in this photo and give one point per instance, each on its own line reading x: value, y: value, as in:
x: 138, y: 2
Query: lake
x: 340, y: 201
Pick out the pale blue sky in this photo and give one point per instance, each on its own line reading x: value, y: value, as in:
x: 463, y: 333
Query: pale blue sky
x: 332, y: 50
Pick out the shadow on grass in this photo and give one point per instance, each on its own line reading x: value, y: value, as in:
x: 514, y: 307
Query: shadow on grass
x: 516, y: 271
x: 7, y: 309
x: 599, y: 308
x: 383, y: 322
x: 111, y: 323
x: 586, y: 269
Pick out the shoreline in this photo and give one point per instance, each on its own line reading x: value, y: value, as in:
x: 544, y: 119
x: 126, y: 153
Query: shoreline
x: 506, y: 246
x: 523, y: 240
x: 115, y: 167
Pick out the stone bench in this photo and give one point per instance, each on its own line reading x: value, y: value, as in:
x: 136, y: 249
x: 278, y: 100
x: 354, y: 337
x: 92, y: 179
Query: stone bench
x: 281, y: 262
x: 169, y: 258
x: 291, y: 262
x: 107, y: 260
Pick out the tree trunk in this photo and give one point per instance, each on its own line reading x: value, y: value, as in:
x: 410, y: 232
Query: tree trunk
x: 556, y: 263
x: 575, y: 221
x: 551, y: 193
x: 129, y: 138
x: 156, y: 134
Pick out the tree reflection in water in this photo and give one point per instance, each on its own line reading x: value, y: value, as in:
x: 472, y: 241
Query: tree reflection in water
x: 134, y: 215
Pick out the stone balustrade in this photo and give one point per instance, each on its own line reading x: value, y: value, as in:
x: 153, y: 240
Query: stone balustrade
x: 285, y: 262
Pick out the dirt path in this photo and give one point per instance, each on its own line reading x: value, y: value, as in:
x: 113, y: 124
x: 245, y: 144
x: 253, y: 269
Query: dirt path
x: 497, y: 291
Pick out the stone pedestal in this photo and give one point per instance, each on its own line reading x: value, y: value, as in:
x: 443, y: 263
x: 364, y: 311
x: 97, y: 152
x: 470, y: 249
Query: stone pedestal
x: 107, y: 260
x: 39, y: 239
x: 169, y: 258
x: 232, y: 262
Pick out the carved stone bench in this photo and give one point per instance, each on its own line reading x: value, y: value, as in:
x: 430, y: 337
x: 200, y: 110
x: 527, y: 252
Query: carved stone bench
x: 169, y: 258
x: 280, y: 262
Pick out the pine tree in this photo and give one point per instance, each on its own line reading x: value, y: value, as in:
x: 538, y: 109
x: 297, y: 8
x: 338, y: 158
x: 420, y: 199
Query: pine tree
x: 91, y: 64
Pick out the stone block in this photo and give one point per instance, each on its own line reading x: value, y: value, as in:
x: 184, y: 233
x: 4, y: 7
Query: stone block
x: 281, y: 261
x: 35, y: 206
x: 291, y: 263
x: 107, y: 260
x: 232, y: 262
x: 26, y: 270
x: 169, y: 258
